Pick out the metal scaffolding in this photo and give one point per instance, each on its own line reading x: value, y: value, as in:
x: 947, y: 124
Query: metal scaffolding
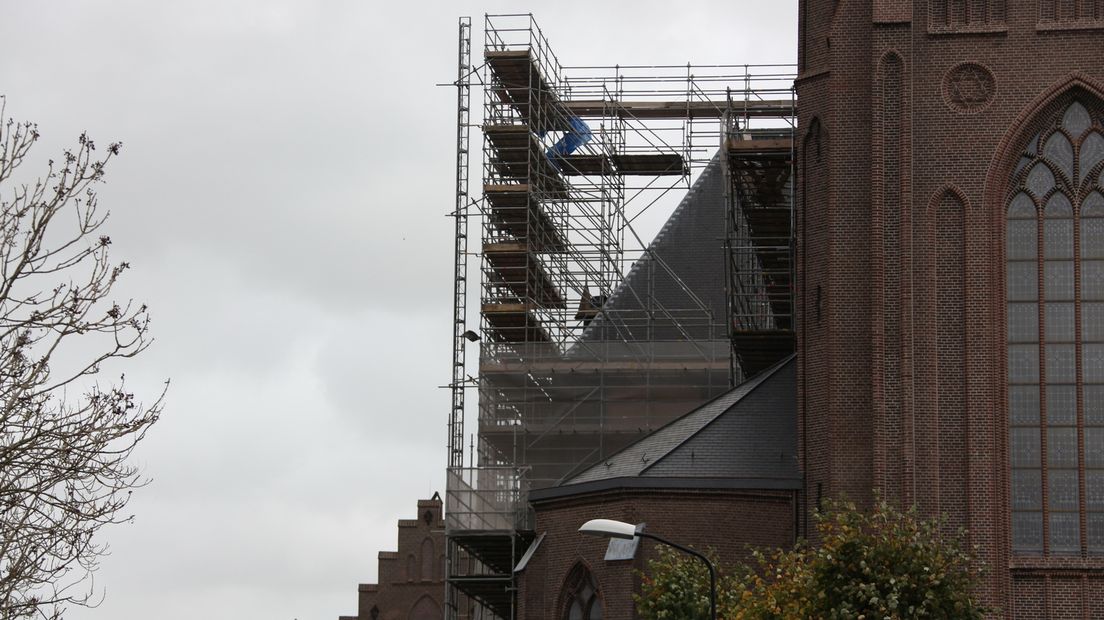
x: 591, y: 336
x: 759, y: 240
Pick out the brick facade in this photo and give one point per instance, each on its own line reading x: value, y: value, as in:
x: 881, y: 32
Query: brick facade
x: 727, y: 521
x: 912, y: 116
x: 411, y: 583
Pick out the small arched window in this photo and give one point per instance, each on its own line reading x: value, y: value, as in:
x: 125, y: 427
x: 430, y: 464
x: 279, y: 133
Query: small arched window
x: 581, y: 597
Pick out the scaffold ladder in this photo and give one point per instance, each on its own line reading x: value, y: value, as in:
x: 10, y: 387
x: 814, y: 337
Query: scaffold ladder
x: 460, y: 283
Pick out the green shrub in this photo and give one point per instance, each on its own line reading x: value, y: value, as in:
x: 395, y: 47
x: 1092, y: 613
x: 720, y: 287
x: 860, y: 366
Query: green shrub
x: 885, y: 564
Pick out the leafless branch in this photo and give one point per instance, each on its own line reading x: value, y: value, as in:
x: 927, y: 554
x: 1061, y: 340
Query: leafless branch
x: 65, y: 467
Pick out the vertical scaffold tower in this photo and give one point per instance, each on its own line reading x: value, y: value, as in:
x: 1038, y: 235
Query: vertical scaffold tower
x: 759, y: 233
x: 592, y: 334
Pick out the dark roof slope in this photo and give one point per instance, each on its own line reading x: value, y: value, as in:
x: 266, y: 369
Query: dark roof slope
x: 746, y: 437
x: 682, y: 272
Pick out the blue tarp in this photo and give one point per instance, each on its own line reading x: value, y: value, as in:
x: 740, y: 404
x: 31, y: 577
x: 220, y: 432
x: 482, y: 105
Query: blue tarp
x: 577, y: 136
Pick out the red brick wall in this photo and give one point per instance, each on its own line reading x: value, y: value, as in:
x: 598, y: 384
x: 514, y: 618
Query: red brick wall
x: 835, y: 279
x: 900, y: 258
x: 725, y: 521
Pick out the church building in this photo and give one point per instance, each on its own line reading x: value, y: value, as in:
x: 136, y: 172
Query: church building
x: 887, y: 281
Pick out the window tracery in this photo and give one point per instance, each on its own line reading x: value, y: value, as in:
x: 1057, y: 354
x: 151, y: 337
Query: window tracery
x: 1055, y: 303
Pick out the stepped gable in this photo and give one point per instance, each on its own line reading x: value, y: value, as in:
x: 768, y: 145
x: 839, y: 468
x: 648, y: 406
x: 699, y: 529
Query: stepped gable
x: 411, y: 582
x: 690, y: 246
x: 745, y: 438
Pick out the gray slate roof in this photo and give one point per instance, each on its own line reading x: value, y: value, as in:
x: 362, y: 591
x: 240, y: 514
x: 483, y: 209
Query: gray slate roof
x: 748, y: 433
x: 686, y: 254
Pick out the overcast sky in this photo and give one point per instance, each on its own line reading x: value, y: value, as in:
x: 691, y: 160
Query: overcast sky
x: 281, y: 194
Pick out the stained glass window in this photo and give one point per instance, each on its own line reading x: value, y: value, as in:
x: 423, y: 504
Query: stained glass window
x: 1055, y: 271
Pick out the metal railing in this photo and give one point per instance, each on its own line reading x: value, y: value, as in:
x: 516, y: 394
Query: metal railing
x: 486, y: 499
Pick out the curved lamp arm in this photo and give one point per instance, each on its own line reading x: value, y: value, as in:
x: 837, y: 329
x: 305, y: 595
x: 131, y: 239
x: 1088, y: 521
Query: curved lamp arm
x: 618, y: 529
x: 700, y: 556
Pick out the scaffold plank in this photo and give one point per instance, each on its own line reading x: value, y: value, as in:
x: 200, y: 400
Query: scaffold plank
x: 521, y: 84
x: 761, y: 146
x: 518, y: 155
x: 494, y: 592
x: 516, y: 70
x: 587, y: 165
x: 650, y: 164
x: 775, y: 108
x: 516, y: 267
x: 515, y: 210
x: 491, y: 546
x: 514, y: 322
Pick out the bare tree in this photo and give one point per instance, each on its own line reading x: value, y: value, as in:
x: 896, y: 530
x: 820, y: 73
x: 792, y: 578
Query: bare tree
x: 65, y: 438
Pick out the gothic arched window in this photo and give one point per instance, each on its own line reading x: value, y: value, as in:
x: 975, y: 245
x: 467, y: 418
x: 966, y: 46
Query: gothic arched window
x: 1055, y: 261
x: 580, y: 596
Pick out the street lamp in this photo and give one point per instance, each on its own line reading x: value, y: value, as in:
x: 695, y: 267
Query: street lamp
x: 608, y: 528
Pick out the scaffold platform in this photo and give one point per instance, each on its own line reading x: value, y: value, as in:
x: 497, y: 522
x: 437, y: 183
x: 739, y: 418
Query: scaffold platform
x: 586, y: 165
x: 520, y: 157
x: 517, y: 267
x: 651, y: 164
x: 514, y: 322
x: 526, y: 90
x: 760, y: 169
x: 676, y: 109
x: 514, y: 210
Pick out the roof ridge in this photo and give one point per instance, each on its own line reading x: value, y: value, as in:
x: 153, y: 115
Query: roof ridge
x: 751, y: 384
x: 759, y: 380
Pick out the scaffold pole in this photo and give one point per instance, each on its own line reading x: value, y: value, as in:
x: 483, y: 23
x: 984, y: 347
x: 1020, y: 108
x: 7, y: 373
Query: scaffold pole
x: 460, y: 285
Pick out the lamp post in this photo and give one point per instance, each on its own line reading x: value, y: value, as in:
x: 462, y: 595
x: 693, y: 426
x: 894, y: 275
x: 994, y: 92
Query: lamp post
x: 609, y: 528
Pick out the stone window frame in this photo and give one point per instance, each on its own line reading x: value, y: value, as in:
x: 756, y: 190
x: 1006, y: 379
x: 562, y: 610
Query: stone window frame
x: 1054, y: 260
x: 581, y: 596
